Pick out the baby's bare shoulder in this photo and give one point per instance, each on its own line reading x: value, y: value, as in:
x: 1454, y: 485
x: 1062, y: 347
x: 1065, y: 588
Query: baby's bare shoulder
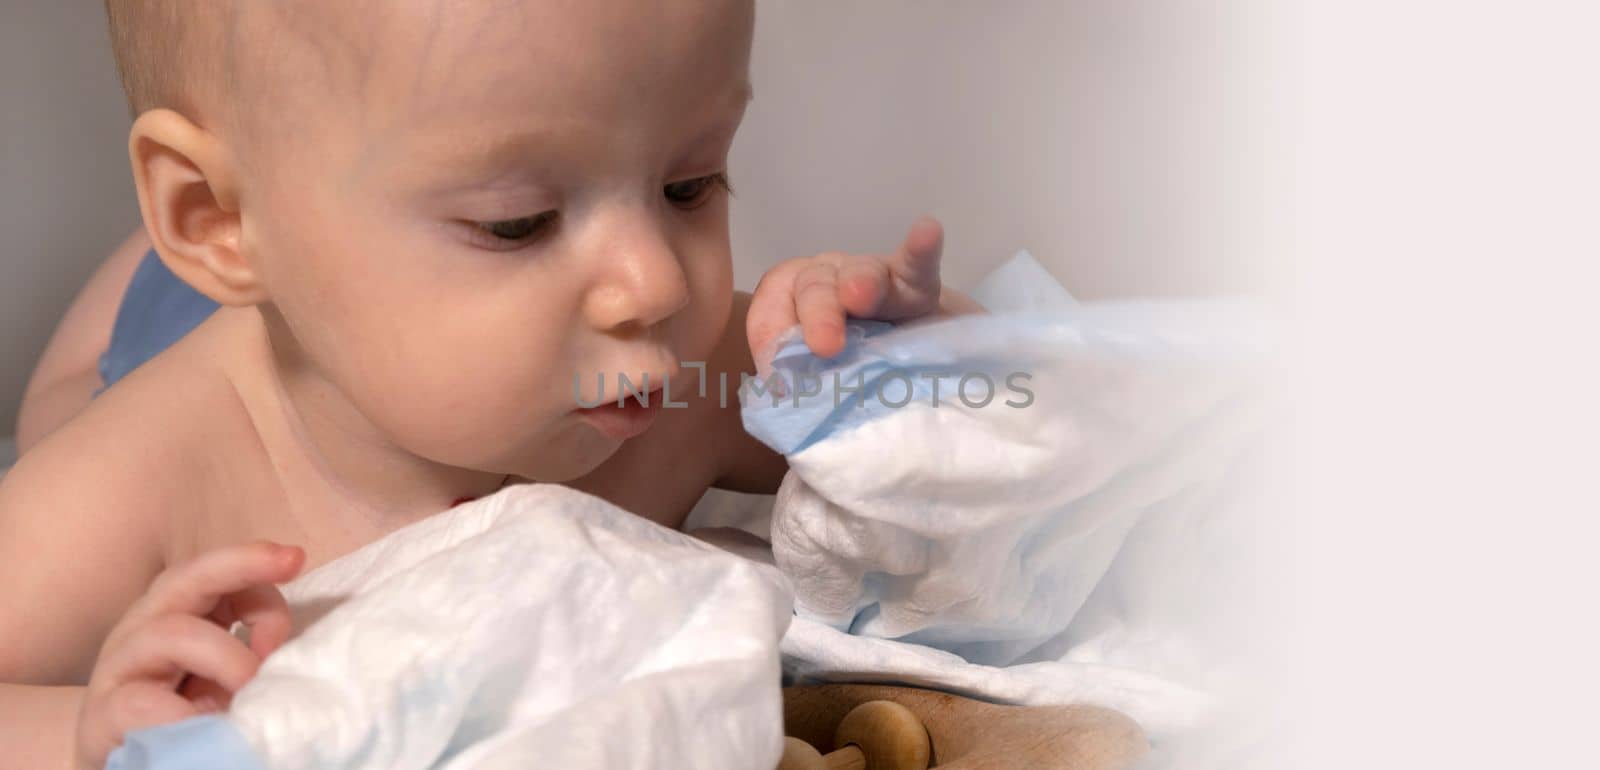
x: 86, y: 522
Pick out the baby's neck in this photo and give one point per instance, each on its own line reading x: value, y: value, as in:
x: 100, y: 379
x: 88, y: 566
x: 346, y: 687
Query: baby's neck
x: 338, y: 473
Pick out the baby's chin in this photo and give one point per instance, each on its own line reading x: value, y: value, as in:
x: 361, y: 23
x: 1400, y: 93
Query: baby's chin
x: 574, y: 452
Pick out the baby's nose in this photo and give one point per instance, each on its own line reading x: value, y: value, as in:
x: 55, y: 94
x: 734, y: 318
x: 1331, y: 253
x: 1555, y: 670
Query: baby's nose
x: 641, y: 283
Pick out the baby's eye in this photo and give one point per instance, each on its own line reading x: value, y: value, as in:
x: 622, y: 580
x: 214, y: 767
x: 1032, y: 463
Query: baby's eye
x: 690, y: 193
x: 512, y: 232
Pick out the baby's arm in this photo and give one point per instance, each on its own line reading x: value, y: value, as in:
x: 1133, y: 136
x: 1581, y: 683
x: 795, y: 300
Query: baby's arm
x: 68, y: 372
x: 77, y: 546
x: 79, y: 541
x: 84, y: 521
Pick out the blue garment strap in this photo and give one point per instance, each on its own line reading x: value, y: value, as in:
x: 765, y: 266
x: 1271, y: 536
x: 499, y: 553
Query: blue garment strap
x: 158, y: 310
x: 208, y: 742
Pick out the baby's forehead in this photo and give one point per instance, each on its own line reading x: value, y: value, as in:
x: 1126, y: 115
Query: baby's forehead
x: 383, y: 87
x: 413, y: 57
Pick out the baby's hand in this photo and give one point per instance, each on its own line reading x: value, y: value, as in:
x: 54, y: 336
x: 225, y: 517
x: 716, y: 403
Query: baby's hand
x: 178, y: 630
x: 819, y: 292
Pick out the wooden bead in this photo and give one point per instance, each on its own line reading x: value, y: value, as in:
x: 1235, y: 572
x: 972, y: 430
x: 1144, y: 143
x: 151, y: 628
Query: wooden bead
x: 799, y: 755
x: 889, y: 735
x: 977, y: 734
x: 847, y: 758
x: 876, y: 735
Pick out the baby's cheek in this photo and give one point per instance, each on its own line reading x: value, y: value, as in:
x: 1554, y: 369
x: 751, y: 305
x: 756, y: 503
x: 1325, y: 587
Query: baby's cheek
x: 468, y: 423
x: 707, y: 316
x: 415, y: 382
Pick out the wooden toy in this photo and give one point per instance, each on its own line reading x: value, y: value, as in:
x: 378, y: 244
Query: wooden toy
x: 886, y: 727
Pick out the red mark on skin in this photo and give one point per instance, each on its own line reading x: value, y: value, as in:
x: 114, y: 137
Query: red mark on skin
x: 460, y: 500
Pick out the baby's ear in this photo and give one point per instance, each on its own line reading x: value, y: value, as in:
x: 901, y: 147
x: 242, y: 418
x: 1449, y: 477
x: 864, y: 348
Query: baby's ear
x: 189, y: 195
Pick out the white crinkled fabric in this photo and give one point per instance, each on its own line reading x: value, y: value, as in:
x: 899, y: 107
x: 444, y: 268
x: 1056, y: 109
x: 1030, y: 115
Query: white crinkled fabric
x: 1091, y: 547
x: 1067, y: 552
x: 539, y: 626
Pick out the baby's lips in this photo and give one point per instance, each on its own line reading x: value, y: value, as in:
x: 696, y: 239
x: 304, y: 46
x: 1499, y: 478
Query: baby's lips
x: 606, y: 384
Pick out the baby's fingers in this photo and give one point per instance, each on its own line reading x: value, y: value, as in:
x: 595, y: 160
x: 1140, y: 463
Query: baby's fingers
x: 168, y: 647
x: 264, y: 610
x: 198, y: 586
x: 863, y: 282
x: 137, y: 705
x: 206, y: 695
x: 771, y: 311
x: 817, y: 306
x: 917, y: 259
x: 914, y: 285
x: 132, y: 706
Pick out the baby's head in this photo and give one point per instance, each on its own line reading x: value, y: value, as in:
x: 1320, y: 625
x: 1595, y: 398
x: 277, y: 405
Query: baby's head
x: 446, y: 209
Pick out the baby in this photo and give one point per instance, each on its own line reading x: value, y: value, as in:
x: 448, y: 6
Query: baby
x: 435, y: 231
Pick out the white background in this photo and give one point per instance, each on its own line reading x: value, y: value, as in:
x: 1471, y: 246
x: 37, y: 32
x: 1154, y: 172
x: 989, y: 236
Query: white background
x: 1443, y: 214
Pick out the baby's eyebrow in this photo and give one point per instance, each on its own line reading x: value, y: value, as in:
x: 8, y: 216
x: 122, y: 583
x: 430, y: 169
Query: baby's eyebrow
x: 500, y: 146
x: 489, y: 151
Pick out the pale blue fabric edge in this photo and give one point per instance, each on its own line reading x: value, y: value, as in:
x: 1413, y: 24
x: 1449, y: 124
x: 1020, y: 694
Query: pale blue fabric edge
x: 208, y: 742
